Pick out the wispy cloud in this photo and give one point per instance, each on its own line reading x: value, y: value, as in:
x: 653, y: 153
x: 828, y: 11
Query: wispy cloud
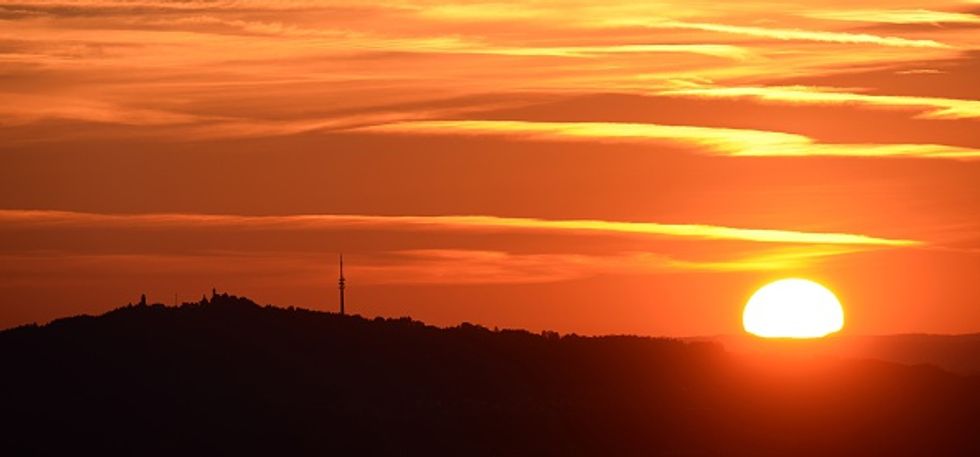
x: 797, y: 34
x: 454, y: 266
x: 416, y: 267
x: 20, y: 108
x: 466, y: 223
x: 726, y: 141
x: 644, y: 248
x: 714, y: 50
x: 782, y: 259
x: 458, y: 266
x: 932, y: 107
x: 920, y: 71
x: 896, y: 16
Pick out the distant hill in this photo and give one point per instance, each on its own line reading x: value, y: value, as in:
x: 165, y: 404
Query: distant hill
x: 228, y: 377
x: 956, y: 353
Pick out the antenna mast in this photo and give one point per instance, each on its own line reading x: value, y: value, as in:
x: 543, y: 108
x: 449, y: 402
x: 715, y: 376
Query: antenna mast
x: 340, y: 283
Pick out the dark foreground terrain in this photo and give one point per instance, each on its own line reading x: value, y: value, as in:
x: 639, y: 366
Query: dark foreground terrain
x: 228, y: 377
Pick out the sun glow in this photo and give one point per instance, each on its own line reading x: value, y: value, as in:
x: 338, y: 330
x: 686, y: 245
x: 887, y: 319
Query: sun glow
x: 793, y: 308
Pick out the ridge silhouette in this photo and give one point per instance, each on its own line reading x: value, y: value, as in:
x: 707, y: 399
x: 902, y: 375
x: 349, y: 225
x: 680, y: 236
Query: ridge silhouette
x: 225, y: 376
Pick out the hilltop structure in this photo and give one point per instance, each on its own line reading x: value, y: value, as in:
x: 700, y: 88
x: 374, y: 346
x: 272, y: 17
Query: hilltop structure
x: 340, y: 283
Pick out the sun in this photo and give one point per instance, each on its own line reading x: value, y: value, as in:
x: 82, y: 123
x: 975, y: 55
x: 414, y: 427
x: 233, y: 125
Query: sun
x: 793, y: 308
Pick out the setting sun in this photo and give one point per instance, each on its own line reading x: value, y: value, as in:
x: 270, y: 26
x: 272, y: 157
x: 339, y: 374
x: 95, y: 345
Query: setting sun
x: 793, y: 308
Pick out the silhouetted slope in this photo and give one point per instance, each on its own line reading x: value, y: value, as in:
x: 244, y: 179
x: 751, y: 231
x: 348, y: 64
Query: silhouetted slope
x: 956, y: 353
x: 232, y: 378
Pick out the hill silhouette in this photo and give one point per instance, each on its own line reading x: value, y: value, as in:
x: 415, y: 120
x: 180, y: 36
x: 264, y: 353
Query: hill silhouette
x: 228, y: 377
x: 956, y: 353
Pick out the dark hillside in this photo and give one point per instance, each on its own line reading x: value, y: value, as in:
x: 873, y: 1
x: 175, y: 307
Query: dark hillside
x: 956, y: 353
x: 228, y: 377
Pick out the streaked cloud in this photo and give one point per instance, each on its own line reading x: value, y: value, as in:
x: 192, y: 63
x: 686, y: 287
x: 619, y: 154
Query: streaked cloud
x: 722, y: 139
x: 646, y: 248
x: 477, y: 223
x: 932, y: 107
x: 418, y: 267
x: 798, y: 34
x: 920, y: 71
x: 714, y: 50
x: 160, y: 56
x: 897, y: 16
x: 452, y: 266
x: 21, y: 109
x: 775, y: 260
x: 456, y: 266
x: 725, y: 141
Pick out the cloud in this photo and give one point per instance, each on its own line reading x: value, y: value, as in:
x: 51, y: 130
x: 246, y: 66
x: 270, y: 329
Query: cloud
x: 783, y: 259
x: 714, y: 50
x: 933, y: 107
x: 796, y: 34
x: 416, y: 267
x: 59, y: 269
x: 73, y: 8
x: 921, y: 71
x: 193, y: 254
x: 217, y: 69
x: 21, y: 108
x: 456, y: 266
x: 64, y: 219
x: 723, y: 141
x: 896, y: 16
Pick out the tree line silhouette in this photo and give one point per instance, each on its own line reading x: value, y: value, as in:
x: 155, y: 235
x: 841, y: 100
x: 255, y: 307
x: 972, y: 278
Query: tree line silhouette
x: 225, y: 376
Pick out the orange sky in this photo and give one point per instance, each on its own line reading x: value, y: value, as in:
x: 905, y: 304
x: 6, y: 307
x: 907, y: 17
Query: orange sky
x: 592, y: 167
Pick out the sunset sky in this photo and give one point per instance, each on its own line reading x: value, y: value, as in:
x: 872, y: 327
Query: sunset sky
x: 593, y: 167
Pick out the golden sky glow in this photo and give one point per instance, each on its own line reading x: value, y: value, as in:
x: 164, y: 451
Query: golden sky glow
x: 508, y: 163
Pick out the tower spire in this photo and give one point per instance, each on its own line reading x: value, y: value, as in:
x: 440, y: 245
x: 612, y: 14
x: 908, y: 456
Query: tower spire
x: 340, y: 283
